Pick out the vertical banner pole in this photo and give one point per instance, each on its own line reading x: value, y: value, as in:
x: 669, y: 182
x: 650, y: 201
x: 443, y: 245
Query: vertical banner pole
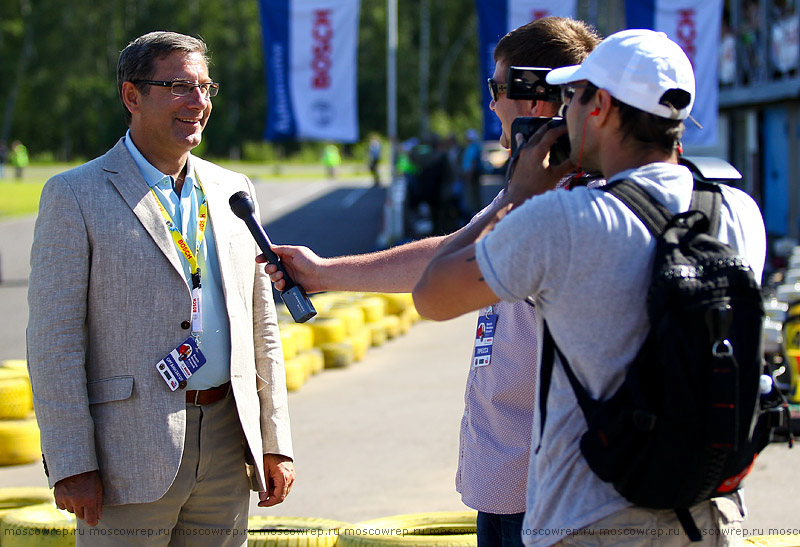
x: 395, y: 197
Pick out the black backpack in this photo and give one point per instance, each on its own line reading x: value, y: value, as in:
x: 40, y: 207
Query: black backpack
x: 689, y: 418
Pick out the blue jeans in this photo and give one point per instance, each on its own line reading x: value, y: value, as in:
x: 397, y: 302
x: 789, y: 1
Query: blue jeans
x: 499, y: 530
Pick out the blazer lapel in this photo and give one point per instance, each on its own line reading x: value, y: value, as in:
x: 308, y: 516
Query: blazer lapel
x: 126, y: 178
x: 216, y: 199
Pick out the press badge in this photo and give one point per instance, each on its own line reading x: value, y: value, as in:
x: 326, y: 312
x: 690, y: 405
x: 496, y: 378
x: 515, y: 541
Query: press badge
x: 484, y: 338
x: 181, y: 363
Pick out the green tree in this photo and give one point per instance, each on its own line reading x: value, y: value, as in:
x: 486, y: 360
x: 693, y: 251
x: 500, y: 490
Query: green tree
x: 58, y: 64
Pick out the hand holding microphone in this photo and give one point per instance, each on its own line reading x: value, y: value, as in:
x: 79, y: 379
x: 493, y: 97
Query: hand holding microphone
x: 293, y: 295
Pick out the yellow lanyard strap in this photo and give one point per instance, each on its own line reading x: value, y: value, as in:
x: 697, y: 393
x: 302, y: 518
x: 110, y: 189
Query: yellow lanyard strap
x: 191, y: 257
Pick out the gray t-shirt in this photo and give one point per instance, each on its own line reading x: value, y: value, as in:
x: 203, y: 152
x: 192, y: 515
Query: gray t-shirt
x: 586, y: 259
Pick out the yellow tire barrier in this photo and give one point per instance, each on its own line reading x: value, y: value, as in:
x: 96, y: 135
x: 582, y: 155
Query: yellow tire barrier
x: 361, y: 341
x: 377, y: 331
x: 295, y: 373
x: 12, y: 498
x: 792, y: 540
x: 411, y: 314
x: 328, y: 330
x: 374, y: 308
x: 19, y: 441
x: 350, y: 314
x: 302, y: 333
x: 337, y: 354
x: 452, y: 528
x: 396, y: 303
x: 274, y: 531
x: 791, y: 347
x: 13, y: 372
x: 16, y: 364
x: 392, y: 325
x: 17, y: 369
x: 323, y: 301
x: 42, y: 525
x: 288, y: 342
x: 315, y: 361
x: 16, y: 398
x: 283, y: 314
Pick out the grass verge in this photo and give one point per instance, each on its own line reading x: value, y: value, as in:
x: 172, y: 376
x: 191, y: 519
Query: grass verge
x: 19, y: 198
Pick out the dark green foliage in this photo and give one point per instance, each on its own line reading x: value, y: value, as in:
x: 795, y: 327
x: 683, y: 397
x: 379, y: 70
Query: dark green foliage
x: 59, y: 93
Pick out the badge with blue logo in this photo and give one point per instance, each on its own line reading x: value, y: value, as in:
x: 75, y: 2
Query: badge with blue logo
x: 181, y: 363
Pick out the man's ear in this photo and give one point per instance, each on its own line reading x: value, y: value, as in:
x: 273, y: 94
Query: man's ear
x: 131, y: 97
x: 601, y: 106
x: 543, y: 109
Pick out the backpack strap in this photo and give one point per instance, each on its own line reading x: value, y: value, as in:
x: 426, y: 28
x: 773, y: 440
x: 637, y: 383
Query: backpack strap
x: 549, y: 350
x: 587, y: 404
x: 707, y: 197
x: 654, y: 215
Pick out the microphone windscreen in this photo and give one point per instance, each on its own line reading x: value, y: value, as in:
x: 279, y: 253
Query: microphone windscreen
x: 241, y: 204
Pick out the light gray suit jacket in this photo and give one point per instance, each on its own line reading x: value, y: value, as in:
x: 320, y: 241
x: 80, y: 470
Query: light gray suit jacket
x: 107, y: 299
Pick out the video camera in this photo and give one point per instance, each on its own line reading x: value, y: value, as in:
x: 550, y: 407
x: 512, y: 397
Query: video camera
x: 527, y: 125
x: 528, y: 83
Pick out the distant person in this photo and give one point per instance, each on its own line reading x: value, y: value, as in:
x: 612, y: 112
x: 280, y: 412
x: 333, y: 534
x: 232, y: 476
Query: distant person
x: 433, y: 181
x: 495, y: 436
x: 331, y: 159
x: 471, y: 170
x: 136, y: 454
x: 3, y: 158
x: 587, y: 260
x: 373, y: 159
x: 18, y: 157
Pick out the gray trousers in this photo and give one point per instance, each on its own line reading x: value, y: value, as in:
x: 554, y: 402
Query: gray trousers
x: 207, y: 503
x: 719, y: 521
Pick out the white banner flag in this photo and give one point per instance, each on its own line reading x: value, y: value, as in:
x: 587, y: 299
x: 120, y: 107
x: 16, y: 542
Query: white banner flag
x: 311, y: 51
x: 695, y: 26
x: 525, y: 11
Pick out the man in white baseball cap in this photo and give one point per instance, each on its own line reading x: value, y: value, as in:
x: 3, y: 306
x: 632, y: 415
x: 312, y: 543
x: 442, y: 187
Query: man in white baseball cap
x: 585, y: 258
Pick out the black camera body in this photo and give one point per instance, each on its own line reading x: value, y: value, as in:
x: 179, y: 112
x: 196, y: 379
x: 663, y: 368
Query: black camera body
x: 528, y: 125
x: 528, y: 83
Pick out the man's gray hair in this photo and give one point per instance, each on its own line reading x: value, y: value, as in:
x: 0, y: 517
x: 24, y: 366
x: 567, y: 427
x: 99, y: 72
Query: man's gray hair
x: 137, y: 60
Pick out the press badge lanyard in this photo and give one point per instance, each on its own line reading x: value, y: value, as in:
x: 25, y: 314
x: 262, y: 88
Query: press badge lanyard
x: 191, y: 257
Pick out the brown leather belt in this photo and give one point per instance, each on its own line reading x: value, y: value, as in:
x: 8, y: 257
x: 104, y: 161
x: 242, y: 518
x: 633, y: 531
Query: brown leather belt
x: 208, y: 396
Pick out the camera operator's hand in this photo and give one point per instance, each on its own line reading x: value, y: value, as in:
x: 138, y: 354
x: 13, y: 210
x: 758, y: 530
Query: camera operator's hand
x: 533, y: 173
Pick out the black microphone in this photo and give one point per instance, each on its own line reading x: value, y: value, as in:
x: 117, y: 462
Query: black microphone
x: 293, y: 295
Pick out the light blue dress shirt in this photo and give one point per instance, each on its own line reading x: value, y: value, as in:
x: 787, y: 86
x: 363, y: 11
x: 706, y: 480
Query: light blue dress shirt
x: 215, y: 340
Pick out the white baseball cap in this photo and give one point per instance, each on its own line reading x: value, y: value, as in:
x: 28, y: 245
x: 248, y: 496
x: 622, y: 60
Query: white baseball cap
x: 641, y: 68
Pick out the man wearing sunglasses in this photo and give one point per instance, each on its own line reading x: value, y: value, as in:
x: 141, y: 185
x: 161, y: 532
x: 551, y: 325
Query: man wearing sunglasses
x: 587, y: 259
x: 496, y: 426
x: 153, y: 343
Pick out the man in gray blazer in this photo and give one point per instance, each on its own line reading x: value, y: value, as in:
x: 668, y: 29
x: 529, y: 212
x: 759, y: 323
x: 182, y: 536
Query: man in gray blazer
x: 140, y: 274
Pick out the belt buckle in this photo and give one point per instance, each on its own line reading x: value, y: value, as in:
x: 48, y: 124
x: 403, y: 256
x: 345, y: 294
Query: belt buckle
x: 196, y: 395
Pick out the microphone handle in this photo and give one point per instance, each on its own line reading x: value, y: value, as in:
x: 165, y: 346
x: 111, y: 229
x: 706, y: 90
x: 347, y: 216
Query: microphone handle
x: 265, y: 245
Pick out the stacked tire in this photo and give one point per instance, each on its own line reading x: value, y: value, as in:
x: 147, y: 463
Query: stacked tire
x: 345, y: 327
x: 438, y: 529
x: 42, y: 525
x: 274, y: 531
x: 19, y: 433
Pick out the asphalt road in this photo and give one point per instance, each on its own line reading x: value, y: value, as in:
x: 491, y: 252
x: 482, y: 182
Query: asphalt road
x: 380, y: 437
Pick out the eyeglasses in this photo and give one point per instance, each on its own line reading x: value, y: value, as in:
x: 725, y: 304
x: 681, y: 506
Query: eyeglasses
x: 181, y: 89
x: 568, y: 91
x: 496, y: 89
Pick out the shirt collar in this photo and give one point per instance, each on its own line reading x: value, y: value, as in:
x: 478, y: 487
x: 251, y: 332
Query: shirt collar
x: 152, y: 175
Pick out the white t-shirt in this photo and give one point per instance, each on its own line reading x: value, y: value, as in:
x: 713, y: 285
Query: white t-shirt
x: 587, y: 260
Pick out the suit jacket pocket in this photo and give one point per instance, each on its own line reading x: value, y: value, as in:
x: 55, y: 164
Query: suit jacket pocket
x: 106, y: 390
